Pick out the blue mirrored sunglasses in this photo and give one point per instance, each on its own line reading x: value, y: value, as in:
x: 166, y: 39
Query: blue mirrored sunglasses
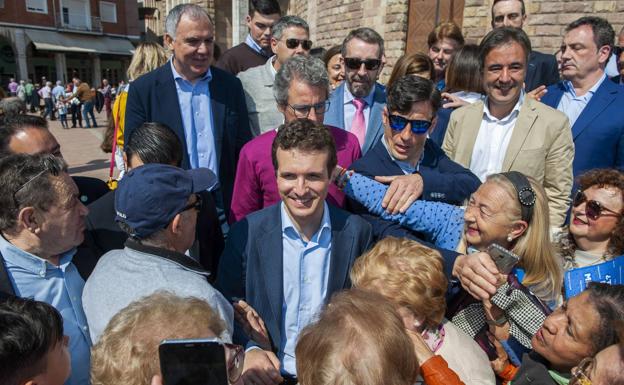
x: 398, y: 123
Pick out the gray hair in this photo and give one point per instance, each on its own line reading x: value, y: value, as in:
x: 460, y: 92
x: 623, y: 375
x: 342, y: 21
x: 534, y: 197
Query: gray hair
x: 12, y: 106
x: 26, y: 183
x: 191, y: 10
x: 367, y: 35
x: 307, y: 69
x: 288, y: 21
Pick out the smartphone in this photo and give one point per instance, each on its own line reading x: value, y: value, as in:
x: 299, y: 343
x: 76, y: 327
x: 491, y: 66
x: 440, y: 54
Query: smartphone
x: 504, y: 259
x: 193, y: 362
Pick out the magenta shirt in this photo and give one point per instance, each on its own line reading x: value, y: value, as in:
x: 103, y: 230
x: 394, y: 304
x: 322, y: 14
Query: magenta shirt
x: 255, y: 186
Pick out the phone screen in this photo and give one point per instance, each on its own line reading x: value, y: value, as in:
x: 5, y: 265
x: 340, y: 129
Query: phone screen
x: 192, y: 362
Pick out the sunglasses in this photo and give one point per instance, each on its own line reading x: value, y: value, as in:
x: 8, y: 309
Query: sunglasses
x: 354, y: 63
x: 593, y: 209
x: 398, y: 123
x: 294, y: 43
x: 197, y: 205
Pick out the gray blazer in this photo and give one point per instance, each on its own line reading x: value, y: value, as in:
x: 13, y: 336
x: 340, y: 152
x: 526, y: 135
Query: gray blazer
x: 258, y: 86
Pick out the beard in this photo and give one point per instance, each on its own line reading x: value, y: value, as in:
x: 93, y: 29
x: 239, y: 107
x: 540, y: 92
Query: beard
x: 360, y: 86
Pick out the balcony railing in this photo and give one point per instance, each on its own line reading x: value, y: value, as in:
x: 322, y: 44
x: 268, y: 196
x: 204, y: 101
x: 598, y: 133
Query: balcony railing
x: 78, y: 22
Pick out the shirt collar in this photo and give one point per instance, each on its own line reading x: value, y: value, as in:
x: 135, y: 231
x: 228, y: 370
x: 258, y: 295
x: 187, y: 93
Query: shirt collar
x: 256, y: 47
x: 570, y: 88
x: 511, y: 115
x: 405, y: 166
x: 272, y: 59
x: 206, y: 77
x: 288, y: 228
x: 31, y: 262
x: 180, y: 259
x: 348, y: 96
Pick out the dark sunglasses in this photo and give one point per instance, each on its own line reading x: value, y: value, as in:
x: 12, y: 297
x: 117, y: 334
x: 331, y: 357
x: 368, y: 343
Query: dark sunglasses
x: 294, y: 43
x: 593, y: 209
x: 197, y: 205
x: 398, y: 123
x: 354, y: 63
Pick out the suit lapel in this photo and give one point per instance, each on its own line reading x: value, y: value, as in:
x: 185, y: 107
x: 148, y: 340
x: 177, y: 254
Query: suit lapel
x: 521, y: 130
x: 601, y: 100
x: 218, y: 113
x: 341, y: 250
x: 531, y: 69
x: 167, y: 95
x: 375, y: 121
x: 468, y: 134
x: 335, y: 115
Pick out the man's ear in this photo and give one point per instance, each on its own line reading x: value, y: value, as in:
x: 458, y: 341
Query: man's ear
x: 274, y: 45
x: 28, y: 219
x: 248, y: 21
x: 604, y: 53
x: 434, y: 121
x: 125, y: 160
x: 384, y: 115
x: 169, y: 41
x: 176, y: 224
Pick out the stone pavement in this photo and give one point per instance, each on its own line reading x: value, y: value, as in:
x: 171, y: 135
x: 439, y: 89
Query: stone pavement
x: 81, y: 147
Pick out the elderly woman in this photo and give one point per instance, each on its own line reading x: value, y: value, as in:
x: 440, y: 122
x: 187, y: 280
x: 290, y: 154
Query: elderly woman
x: 335, y: 66
x: 596, y: 231
x: 509, y: 210
x: 411, y: 276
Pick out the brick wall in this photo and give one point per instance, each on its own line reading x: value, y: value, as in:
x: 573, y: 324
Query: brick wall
x: 546, y: 19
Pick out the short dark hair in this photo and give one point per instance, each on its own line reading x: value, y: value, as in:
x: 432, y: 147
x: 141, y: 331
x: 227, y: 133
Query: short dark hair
x: 604, y: 34
x: 609, y: 303
x: 367, y: 35
x: 523, y: 8
x: 305, y: 135
x: 154, y: 143
x: 11, y: 125
x: 29, y: 330
x: 23, y: 184
x: 410, y: 89
x: 502, y: 36
x: 464, y: 71
x: 446, y: 30
x: 264, y: 7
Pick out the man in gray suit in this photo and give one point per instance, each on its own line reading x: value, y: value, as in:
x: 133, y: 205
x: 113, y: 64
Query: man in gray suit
x: 291, y: 36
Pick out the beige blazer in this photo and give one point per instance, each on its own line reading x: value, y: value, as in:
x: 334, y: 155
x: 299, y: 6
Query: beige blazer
x: 541, y: 146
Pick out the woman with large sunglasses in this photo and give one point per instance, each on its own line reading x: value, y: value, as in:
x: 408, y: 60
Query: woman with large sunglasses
x: 510, y: 210
x: 595, y: 234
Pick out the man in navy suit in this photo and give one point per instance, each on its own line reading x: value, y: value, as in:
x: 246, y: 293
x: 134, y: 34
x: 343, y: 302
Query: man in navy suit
x: 542, y: 69
x: 203, y: 105
x: 287, y: 260
x: 356, y: 105
x: 417, y: 167
x: 592, y: 103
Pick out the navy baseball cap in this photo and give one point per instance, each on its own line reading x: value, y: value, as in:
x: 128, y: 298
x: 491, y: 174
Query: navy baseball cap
x: 149, y: 197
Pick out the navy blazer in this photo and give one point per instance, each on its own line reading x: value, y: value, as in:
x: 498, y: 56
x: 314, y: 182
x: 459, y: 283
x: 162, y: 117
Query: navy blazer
x: 598, y: 132
x: 153, y: 98
x: 542, y: 70
x: 251, y: 265
x: 334, y: 116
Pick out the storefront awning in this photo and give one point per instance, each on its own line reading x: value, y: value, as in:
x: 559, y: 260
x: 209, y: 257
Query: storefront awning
x: 63, y: 42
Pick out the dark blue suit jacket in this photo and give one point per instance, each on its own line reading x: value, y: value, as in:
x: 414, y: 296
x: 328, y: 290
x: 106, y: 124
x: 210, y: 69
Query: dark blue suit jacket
x: 335, y: 114
x: 251, y: 265
x: 598, y: 132
x: 153, y: 98
x: 542, y: 70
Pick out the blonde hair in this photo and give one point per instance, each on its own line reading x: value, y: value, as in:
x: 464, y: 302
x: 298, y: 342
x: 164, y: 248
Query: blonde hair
x: 127, y: 352
x: 147, y: 57
x: 359, y: 339
x: 408, y: 274
x: 543, y: 272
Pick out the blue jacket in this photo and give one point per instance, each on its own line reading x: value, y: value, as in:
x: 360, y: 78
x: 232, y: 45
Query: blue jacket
x: 335, y: 115
x: 251, y: 264
x: 598, y: 133
x: 153, y: 98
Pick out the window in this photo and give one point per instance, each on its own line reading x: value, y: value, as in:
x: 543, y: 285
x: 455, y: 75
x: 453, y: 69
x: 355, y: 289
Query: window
x: 108, y: 12
x: 1, y: 3
x: 38, y: 6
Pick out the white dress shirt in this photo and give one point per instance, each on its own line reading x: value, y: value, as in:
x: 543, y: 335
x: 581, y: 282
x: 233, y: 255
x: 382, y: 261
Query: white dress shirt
x: 492, y: 141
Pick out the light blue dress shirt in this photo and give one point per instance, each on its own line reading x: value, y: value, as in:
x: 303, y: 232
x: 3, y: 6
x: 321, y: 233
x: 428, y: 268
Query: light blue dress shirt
x: 256, y: 47
x: 349, y: 107
x: 196, y: 110
x: 60, y: 286
x: 573, y: 105
x: 306, y: 272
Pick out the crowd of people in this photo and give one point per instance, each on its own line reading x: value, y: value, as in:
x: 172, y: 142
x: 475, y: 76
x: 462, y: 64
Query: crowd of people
x: 462, y: 223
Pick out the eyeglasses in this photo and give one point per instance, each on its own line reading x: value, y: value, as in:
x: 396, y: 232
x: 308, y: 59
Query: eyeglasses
x: 593, y: 209
x: 197, y: 205
x: 354, y: 63
x: 398, y: 123
x: 302, y: 111
x: 294, y: 43
x: 579, y: 372
x: 234, y: 357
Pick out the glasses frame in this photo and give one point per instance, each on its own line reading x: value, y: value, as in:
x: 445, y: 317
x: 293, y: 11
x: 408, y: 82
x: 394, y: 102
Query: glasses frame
x: 579, y: 372
x: 355, y: 63
x: 398, y: 123
x: 304, y: 43
x: 234, y: 359
x: 593, y: 209
x: 320, y: 107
